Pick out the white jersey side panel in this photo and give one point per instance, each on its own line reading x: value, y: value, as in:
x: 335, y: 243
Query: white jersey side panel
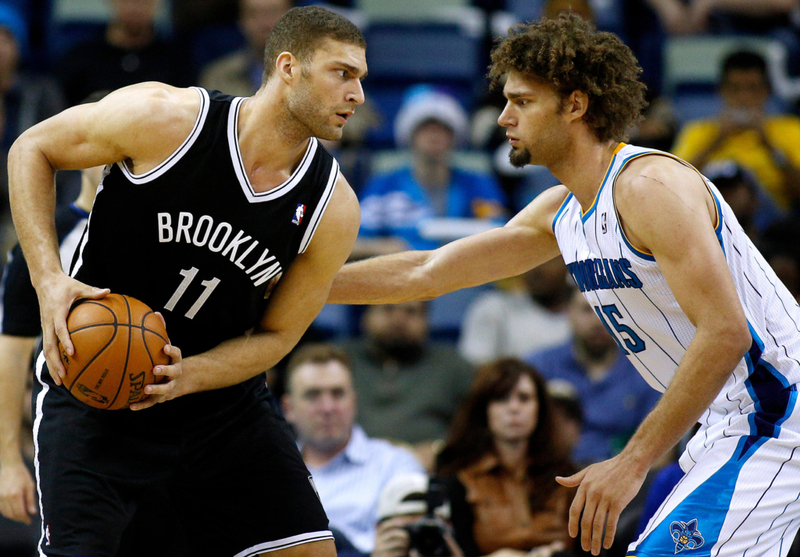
x: 631, y: 296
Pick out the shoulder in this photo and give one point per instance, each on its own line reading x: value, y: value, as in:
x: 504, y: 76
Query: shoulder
x: 541, y: 212
x: 650, y: 180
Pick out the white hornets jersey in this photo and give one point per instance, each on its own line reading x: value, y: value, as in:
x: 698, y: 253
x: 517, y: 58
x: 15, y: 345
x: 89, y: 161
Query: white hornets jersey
x: 633, y: 300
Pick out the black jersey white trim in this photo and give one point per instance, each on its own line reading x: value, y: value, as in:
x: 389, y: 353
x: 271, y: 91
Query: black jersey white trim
x: 238, y: 165
x: 171, y: 160
x: 285, y: 542
x: 83, y: 239
x: 321, y: 206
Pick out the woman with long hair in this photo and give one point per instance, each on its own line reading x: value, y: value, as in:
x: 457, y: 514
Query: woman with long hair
x: 500, y: 464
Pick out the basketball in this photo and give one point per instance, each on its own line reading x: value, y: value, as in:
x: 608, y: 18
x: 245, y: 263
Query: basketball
x: 118, y: 340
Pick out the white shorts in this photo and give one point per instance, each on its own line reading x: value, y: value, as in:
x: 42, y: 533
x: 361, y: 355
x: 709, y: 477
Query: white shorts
x: 740, y: 495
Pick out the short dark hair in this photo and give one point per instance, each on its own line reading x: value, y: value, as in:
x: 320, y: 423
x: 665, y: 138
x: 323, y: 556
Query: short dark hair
x: 302, y: 30
x: 744, y: 59
x: 315, y: 353
x: 569, y: 54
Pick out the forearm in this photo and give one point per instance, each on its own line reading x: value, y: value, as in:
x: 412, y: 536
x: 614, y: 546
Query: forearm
x: 32, y: 197
x: 703, y: 371
x: 14, y: 356
x: 236, y: 360
x: 386, y: 279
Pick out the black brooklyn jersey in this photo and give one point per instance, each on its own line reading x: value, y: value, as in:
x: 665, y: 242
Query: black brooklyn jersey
x: 191, y: 238
x: 19, y: 306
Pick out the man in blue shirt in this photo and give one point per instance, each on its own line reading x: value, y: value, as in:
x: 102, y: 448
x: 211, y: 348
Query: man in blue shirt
x: 614, y: 397
x: 349, y: 469
x: 432, y: 124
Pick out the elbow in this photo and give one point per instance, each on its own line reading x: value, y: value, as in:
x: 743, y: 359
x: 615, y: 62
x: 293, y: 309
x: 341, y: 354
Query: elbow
x: 738, y: 339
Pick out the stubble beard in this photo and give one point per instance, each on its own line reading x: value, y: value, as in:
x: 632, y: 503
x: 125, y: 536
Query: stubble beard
x: 304, y: 109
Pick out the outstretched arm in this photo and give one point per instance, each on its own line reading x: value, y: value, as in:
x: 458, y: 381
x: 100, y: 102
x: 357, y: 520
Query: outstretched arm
x: 525, y: 242
x: 293, y: 305
x: 141, y: 124
x: 666, y: 209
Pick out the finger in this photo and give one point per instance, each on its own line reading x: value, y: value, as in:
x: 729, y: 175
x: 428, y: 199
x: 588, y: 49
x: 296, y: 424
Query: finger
x: 611, y: 526
x: 597, y: 527
x: 145, y: 403
x: 171, y: 371
x: 30, y: 497
x: 163, y: 321
x: 573, y: 480
x: 575, y: 511
x: 587, y: 521
x: 95, y: 293
x: 159, y: 389
x: 173, y: 352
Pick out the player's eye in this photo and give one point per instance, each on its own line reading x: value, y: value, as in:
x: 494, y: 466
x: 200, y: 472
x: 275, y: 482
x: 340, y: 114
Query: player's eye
x: 342, y: 73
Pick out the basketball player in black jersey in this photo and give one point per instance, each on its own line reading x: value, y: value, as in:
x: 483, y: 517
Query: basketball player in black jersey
x: 228, y: 217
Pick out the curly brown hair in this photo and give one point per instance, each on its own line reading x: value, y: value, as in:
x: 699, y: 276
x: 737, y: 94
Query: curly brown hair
x: 570, y: 54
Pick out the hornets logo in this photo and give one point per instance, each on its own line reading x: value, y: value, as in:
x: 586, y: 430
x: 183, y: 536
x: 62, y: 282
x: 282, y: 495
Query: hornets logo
x: 686, y: 535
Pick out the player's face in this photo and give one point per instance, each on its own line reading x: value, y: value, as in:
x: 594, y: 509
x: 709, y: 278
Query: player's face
x: 329, y: 89
x: 534, y: 121
x: 322, y: 404
x: 514, y: 418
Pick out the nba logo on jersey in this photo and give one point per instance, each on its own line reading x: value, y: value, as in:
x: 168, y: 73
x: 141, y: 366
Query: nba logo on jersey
x: 604, y: 223
x: 298, y: 214
x: 47, y: 534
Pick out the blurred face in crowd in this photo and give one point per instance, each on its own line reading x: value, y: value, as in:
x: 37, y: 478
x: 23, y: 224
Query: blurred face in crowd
x: 321, y: 404
x: 745, y: 88
x: 399, y: 327
x: 589, y: 333
x: 547, y: 281
x: 514, y: 418
x: 9, y: 58
x: 257, y: 18
x: 433, y: 140
x: 135, y: 14
x: 327, y: 89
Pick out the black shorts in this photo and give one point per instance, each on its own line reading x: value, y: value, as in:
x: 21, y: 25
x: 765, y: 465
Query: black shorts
x: 234, y: 475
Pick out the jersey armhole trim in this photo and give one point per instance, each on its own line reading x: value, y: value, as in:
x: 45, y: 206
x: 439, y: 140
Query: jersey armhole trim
x: 321, y: 206
x: 171, y: 160
x: 561, y: 210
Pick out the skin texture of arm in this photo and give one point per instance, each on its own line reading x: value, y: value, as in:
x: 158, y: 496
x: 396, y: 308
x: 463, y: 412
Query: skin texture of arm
x: 17, y: 492
x: 666, y: 209
x: 141, y: 124
x: 525, y: 242
x: 293, y: 305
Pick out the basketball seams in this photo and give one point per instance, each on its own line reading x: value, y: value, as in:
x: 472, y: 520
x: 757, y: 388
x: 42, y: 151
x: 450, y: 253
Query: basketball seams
x: 124, y: 376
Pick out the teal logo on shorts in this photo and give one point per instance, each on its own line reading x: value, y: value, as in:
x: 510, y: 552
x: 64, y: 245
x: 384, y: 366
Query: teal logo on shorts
x: 686, y: 535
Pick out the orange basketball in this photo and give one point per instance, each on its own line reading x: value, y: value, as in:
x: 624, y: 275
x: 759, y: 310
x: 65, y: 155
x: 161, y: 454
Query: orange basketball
x: 118, y: 340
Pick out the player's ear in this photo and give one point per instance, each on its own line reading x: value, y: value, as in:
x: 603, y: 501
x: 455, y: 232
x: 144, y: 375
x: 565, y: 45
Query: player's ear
x: 576, y: 105
x: 287, y: 66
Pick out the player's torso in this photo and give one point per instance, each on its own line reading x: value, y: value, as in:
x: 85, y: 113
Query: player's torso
x: 193, y: 240
x: 632, y: 298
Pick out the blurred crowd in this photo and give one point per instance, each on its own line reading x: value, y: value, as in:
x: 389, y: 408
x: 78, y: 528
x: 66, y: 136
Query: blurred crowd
x: 439, y: 427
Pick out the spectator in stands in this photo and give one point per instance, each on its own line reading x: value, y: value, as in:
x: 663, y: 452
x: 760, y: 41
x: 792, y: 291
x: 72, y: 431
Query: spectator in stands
x: 781, y: 249
x: 699, y: 16
x: 24, y: 101
x: 409, y: 387
x: 752, y: 206
x: 614, y: 397
x: 129, y: 52
x: 514, y: 323
x: 432, y: 124
x: 500, y: 463
x: 349, y: 468
x: 239, y: 73
x: 404, y: 502
x: 768, y: 146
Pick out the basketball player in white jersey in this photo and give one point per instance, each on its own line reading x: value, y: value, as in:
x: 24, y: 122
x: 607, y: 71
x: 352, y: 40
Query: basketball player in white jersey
x: 669, y: 271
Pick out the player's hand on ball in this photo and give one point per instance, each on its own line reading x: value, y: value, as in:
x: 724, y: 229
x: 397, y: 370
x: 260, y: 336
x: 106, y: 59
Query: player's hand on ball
x: 56, y: 296
x: 17, y: 492
x: 604, y: 490
x: 170, y: 387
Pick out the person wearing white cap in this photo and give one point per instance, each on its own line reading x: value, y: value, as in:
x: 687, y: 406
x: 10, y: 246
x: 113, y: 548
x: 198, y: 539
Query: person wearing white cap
x: 403, y: 503
x: 432, y: 124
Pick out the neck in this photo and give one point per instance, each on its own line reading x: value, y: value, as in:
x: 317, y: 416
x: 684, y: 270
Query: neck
x: 317, y: 456
x: 123, y: 36
x: 264, y: 120
x: 513, y: 454
x: 583, y: 167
